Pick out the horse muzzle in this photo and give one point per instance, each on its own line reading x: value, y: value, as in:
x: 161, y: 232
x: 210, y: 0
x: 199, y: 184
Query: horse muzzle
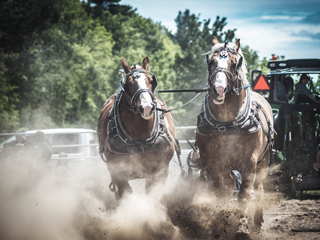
x: 146, y: 105
x: 146, y: 110
x: 219, y: 94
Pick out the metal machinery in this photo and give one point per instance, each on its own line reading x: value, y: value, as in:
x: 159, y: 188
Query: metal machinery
x: 297, y: 123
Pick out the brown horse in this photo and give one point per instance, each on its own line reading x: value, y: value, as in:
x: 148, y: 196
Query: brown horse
x: 136, y: 137
x: 234, y: 128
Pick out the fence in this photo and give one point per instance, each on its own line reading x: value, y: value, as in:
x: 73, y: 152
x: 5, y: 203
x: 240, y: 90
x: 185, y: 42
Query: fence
x: 182, y: 140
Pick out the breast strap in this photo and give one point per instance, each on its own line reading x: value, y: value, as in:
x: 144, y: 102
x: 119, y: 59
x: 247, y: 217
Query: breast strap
x: 119, y: 140
x: 246, y: 121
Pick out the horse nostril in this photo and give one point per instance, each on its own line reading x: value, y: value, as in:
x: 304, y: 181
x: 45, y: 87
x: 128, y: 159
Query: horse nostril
x: 145, y: 109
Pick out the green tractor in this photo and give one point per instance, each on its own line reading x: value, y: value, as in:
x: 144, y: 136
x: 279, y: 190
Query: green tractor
x: 292, y: 88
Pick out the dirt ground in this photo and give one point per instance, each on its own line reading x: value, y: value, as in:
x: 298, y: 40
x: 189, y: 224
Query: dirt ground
x: 62, y: 205
x: 283, y: 219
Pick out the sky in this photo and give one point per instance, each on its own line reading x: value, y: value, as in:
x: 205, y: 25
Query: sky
x: 281, y: 27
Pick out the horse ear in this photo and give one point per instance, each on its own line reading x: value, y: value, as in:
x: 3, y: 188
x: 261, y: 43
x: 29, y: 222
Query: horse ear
x: 146, y: 63
x: 215, y: 41
x: 238, y: 44
x: 125, y: 65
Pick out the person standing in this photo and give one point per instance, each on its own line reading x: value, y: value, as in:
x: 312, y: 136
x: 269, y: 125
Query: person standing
x: 43, y: 151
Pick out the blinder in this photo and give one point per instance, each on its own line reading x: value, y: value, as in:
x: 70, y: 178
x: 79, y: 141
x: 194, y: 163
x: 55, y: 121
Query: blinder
x: 239, y: 63
x: 136, y: 74
x: 154, y: 83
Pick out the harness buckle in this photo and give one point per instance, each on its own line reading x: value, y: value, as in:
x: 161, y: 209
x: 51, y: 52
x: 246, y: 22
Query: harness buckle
x: 222, y: 129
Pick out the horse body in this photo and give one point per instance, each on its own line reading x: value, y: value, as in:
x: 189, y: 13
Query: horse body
x: 238, y: 134
x: 223, y: 153
x: 146, y: 161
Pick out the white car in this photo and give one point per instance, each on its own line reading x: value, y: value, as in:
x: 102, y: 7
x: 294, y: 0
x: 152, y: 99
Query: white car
x: 81, y: 161
x: 79, y: 144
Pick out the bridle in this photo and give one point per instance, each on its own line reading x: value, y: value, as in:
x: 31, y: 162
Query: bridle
x: 231, y: 76
x: 136, y: 74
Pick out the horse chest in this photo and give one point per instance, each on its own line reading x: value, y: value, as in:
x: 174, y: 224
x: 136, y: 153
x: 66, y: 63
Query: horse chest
x: 120, y: 141
x: 227, y: 148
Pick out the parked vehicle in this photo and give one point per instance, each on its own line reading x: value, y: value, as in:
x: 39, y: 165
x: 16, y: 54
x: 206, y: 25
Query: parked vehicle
x: 74, y: 150
x: 296, y: 120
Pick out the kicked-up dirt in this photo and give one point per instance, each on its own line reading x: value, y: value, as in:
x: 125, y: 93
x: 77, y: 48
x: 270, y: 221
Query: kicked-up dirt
x: 49, y: 206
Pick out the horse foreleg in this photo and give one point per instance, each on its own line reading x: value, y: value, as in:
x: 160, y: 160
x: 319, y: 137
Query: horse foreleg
x: 122, y: 187
x: 157, y: 181
x: 248, y: 174
x: 259, y: 187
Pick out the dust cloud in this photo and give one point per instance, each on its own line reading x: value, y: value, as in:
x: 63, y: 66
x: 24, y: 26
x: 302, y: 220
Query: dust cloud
x: 56, y: 203
x: 39, y: 203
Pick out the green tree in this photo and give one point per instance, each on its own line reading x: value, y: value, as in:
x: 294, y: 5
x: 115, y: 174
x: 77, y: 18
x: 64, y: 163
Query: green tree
x: 134, y: 38
x: 75, y: 61
x: 62, y: 71
x: 9, y: 116
x: 252, y: 60
x: 194, y: 38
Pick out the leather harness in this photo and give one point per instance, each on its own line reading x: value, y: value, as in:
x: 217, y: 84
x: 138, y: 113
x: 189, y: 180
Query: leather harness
x: 119, y: 141
x: 249, y: 118
x: 246, y: 122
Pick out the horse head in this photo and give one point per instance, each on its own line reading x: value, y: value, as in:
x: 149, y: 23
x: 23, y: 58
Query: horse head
x: 139, y: 88
x: 226, y: 71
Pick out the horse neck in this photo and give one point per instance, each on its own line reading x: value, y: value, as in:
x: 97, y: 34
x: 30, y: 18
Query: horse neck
x: 137, y: 127
x: 229, y: 110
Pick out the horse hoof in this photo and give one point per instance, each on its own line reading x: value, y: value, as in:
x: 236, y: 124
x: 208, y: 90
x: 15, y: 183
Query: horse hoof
x: 258, y: 217
x: 243, y: 230
x: 242, y: 233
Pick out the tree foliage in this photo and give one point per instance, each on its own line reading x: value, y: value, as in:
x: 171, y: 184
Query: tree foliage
x: 59, y: 59
x: 195, y: 39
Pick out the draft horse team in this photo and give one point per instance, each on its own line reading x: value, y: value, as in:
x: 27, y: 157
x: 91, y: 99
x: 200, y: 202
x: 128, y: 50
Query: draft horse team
x: 234, y: 129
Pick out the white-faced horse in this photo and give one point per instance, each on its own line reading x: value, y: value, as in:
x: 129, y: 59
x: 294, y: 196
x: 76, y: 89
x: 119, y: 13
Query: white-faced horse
x: 136, y: 139
x: 234, y: 128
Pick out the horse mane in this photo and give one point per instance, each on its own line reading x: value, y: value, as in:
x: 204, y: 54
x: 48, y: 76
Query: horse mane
x: 242, y: 74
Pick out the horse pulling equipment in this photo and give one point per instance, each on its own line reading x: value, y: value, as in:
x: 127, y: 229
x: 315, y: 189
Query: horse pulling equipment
x: 118, y: 139
x: 249, y: 118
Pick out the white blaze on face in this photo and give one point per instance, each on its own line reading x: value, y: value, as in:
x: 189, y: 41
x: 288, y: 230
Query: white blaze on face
x: 220, y: 83
x: 145, y: 98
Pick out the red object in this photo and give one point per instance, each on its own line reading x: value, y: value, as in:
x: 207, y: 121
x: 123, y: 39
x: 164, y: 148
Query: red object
x: 261, y: 84
x: 274, y: 57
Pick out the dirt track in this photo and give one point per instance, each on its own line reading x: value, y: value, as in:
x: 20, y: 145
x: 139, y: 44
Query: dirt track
x: 55, y: 209
x: 283, y: 219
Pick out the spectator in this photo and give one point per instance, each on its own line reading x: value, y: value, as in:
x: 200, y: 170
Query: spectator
x: 20, y: 141
x: 285, y: 89
x: 44, y: 150
x: 302, y: 93
x: 17, y: 149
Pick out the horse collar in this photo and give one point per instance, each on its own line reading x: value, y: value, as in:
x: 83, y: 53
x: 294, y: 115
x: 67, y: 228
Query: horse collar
x: 245, y: 122
x: 120, y: 141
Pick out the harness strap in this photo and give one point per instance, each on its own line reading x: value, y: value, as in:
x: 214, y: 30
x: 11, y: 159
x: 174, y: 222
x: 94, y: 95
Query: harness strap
x: 268, y: 132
